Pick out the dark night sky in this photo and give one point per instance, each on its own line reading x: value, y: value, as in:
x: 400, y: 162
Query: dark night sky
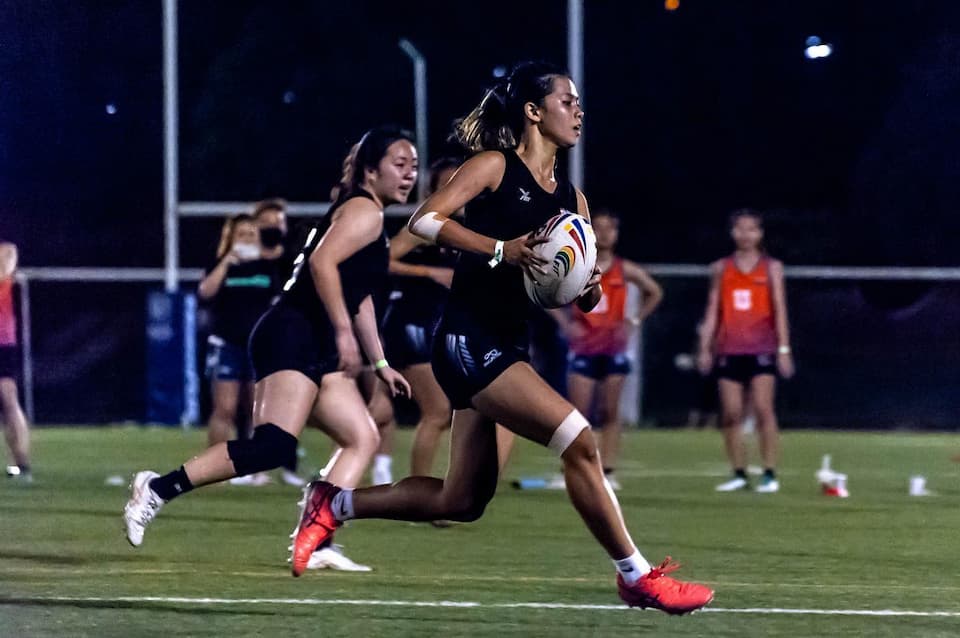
x: 690, y: 114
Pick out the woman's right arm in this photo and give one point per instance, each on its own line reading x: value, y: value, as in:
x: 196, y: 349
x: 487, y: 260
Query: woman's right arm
x: 210, y: 285
x: 708, y: 327
x: 432, y: 220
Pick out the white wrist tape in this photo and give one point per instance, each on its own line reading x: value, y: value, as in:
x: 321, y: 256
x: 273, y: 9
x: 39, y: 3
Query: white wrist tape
x: 428, y: 226
x: 567, y: 432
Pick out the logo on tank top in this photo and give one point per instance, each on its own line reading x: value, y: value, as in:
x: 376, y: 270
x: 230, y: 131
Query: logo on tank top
x: 742, y: 299
x: 490, y: 357
x: 524, y: 195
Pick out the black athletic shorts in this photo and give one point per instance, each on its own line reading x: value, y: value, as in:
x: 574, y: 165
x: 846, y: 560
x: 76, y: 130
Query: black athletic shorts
x: 9, y: 362
x: 464, y: 364
x: 285, y: 339
x: 743, y: 367
x: 406, y: 341
x: 599, y: 366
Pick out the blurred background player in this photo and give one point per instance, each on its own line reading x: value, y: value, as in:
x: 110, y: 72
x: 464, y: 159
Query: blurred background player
x: 598, y: 339
x: 306, y: 348
x: 16, y: 431
x: 745, y: 341
x: 510, y: 188
x: 238, y: 289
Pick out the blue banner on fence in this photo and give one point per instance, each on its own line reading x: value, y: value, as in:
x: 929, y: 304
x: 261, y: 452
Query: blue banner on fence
x: 172, y: 382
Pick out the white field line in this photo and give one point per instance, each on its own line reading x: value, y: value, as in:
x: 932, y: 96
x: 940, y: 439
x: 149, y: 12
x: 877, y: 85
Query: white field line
x: 784, y: 611
x: 284, y: 574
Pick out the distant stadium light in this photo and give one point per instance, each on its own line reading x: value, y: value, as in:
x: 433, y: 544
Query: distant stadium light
x: 499, y: 71
x: 817, y: 49
x: 671, y: 5
x: 111, y: 109
x: 289, y: 97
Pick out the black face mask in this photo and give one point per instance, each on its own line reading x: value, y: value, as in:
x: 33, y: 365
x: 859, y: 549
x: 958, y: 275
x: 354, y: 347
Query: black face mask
x: 271, y: 237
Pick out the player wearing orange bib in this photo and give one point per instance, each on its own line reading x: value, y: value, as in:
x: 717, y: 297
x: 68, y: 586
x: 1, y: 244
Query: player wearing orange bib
x: 746, y: 340
x: 598, y: 339
x: 16, y: 430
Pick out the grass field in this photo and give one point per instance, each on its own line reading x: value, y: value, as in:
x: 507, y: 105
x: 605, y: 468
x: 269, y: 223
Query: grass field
x: 213, y: 563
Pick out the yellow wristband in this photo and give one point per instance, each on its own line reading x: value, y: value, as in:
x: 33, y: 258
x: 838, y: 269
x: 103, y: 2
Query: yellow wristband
x: 381, y: 364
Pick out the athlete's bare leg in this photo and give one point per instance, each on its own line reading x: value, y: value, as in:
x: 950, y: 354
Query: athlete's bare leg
x: 284, y: 398
x: 462, y: 495
x: 435, y: 417
x: 762, y: 391
x: 341, y: 412
x: 226, y: 397
x: 611, y: 435
x: 731, y: 421
x: 16, y: 431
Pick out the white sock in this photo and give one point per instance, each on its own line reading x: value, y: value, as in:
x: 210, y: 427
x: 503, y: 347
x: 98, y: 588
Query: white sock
x: 342, y: 505
x: 630, y: 568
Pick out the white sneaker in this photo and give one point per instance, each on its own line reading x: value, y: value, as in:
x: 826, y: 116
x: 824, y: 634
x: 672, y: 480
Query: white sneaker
x: 252, y: 480
x: 332, y: 557
x: 291, y: 478
x: 768, y: 486
x: 143, y: 506
x: 734, y: 484
x: 556, y: 482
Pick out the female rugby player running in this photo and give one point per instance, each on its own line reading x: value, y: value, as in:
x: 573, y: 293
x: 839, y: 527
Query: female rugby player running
x: 480, y: 356
x: 304, y: 349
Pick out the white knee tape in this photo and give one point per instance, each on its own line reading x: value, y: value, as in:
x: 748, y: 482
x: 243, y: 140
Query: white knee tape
x: 567, y: 432
x: 427, y: 226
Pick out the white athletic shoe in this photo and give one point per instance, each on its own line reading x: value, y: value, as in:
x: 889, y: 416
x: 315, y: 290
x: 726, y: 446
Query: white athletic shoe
x: 143, y: 506
x: 734, y: 484
x: 291, y: 478
x: 768, y: 486
x: 332, y: 557
x: 556, y: 482
x: 252, y: 480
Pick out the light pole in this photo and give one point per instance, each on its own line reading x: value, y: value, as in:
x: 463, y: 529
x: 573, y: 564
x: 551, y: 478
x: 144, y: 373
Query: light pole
x: 420, y: 105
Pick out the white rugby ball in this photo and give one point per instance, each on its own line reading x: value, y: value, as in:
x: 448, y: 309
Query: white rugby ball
x: 570, y: 252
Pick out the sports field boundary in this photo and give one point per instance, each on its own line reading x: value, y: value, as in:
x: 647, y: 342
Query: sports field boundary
x: 453, y: 604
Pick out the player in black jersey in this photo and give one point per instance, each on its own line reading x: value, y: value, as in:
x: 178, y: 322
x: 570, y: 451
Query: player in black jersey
x: 305, y: 349
x: 510, y: 188
x: 423, y: 273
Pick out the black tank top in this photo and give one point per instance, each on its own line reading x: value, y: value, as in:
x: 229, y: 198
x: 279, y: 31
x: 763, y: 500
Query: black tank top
x: 421, y: 299
x: 361, y: 274
x: 495, y: 297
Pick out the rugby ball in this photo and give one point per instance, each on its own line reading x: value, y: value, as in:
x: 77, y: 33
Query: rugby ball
x: 571, y: 254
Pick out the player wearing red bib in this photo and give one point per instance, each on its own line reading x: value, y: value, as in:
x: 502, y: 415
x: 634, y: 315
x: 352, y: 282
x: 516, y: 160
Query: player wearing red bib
x: 746, y: 340
x: 16, y: 430
x: 598, y: 339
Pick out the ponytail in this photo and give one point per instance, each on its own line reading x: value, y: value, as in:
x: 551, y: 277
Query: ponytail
x: 497, y: 122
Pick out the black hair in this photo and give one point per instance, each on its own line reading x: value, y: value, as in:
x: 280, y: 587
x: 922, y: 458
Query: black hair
x: 498, y: 121
x: 440, y: 165
x: 370, y: 150
x: 605, y: 212
x: 746, y: 212
x: 264, y: 205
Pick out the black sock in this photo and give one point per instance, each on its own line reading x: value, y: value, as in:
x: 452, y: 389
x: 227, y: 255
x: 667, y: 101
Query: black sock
x: 769, y: 473
x: 740, y: 473
x: 607, y: 471
x: 24, y: 468
x: 171, y: 485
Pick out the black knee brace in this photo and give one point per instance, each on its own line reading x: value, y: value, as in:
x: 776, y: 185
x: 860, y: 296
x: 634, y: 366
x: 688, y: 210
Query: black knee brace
x: 270, y: 447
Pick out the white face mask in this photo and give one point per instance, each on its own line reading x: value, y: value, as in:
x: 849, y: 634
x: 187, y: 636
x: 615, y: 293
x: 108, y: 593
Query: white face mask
x: 246, y: 251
